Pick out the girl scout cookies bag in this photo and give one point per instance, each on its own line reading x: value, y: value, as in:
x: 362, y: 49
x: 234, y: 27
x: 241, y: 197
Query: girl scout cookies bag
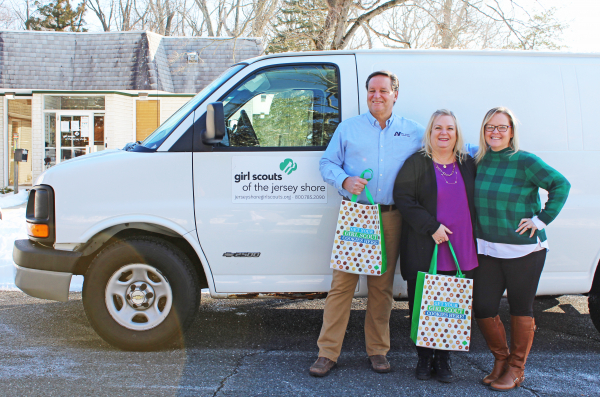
x: 442, y: 310
x: 359, y: 246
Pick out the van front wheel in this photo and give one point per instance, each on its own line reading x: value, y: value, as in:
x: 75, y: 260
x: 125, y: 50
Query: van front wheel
x: 594, y: 306
x: 140, y: 293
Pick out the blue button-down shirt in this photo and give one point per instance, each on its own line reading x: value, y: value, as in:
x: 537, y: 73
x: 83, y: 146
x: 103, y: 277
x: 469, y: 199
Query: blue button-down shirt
x: 359, y: 143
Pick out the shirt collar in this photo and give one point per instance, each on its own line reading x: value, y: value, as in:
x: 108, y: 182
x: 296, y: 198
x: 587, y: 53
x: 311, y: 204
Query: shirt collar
x: 375, y: 123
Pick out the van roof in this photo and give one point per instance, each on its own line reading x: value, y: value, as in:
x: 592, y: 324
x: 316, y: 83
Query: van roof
x: 518, y: 53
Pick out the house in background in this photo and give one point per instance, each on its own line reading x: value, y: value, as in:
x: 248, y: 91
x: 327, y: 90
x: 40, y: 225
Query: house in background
x: 63, y: 95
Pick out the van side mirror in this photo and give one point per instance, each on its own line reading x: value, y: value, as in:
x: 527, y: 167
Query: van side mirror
x: 215, y: 124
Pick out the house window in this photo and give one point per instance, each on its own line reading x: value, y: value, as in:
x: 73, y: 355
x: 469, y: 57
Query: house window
x: 147, y: 118
x: 52, y: 102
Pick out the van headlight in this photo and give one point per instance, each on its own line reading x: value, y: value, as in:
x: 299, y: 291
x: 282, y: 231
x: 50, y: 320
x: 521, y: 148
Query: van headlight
x: 40, y: 214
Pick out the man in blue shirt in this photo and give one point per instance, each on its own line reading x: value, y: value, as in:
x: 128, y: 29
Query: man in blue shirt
x: 381, y: 141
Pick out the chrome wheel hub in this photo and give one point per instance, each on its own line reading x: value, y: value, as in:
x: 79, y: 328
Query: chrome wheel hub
x: 138, y: 297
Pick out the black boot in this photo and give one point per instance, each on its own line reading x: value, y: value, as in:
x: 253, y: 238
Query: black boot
x: 423, y: 371
x: 441, y: 366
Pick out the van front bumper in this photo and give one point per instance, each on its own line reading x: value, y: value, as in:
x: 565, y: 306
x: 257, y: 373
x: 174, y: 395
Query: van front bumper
x: 43, y: 272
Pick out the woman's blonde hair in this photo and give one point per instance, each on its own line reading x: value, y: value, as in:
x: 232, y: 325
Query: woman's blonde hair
x: 514, y: 141
x: 459, y: 145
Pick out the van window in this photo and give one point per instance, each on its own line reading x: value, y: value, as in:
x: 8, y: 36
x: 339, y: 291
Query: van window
x: 286, y: 106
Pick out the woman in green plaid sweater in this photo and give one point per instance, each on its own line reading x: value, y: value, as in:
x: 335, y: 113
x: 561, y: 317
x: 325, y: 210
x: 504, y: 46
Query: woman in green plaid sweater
x: 511, y: 241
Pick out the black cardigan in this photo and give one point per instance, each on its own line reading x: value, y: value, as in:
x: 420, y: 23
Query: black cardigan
x: 415, y: 195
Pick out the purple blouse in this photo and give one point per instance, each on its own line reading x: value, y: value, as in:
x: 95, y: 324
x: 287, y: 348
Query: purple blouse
x: 453, y: 212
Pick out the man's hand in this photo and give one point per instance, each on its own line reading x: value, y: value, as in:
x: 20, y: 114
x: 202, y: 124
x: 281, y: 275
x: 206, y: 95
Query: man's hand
x: 355, y: 184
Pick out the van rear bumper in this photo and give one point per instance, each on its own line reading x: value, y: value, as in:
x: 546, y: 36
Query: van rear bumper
x: 43, y: 272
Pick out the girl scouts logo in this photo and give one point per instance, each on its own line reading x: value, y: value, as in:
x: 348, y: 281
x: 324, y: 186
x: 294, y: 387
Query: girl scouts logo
x: 288, y: 166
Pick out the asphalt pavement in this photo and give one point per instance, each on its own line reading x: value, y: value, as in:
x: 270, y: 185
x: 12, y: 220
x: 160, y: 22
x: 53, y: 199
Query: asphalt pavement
x: 265, y: 347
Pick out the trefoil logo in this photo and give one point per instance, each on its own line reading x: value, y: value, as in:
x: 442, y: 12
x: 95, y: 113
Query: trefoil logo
x: 288, y: 166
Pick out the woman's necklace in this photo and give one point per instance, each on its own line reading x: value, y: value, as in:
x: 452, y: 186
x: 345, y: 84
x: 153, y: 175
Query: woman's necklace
x: 441, y: 162
x: 444, y: 175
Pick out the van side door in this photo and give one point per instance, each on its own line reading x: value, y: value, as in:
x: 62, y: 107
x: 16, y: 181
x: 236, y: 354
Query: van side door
x: 265, y: 219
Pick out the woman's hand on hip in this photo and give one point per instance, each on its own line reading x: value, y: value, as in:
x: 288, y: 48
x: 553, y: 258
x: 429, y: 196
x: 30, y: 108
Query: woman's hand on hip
x: 354, y: 184
x: 525, y: 224
x: 441, y: 235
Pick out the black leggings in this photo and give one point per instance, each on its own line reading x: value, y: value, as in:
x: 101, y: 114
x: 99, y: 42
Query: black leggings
x: 519, y: 277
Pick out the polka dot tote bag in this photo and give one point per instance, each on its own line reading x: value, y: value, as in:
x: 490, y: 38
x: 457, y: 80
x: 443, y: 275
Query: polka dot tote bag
x: 443, y: 309
x: 359, y: 246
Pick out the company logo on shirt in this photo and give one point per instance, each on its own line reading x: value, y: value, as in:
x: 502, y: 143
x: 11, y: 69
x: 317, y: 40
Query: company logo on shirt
x: 399, y: 133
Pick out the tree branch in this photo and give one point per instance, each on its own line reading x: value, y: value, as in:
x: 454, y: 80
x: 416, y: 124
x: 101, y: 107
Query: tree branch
x: 367, y: 17
x: 387, y: 36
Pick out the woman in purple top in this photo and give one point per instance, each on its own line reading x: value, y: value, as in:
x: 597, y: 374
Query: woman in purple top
x: 434, y: 193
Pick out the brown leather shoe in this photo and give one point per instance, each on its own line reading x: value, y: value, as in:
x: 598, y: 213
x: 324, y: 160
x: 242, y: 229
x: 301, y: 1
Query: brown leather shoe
x: 321, y: 367
x: 380, y: 364
x: 495, y: 336
x: 521, y: 338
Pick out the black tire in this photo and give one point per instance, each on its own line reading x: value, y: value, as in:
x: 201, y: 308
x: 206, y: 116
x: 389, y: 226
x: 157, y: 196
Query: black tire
x: 159, y: 261
x: 594, y: 306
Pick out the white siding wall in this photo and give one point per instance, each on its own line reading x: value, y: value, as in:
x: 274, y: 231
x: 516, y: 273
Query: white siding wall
x: 37, y: 136
x: 119, y: 127
x: 119, y: 121
x: 2, y: 143
x: 168, y: 106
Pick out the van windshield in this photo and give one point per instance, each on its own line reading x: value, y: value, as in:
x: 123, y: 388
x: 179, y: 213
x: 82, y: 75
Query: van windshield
x: 164, y: 130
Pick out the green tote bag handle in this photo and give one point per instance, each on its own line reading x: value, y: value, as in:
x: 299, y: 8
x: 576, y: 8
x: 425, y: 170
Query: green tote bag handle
x: 370, y: 198
x: 433, y: 266
x: 367, y: 192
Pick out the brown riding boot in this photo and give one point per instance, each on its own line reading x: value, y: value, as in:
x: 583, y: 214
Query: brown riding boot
x: 495, y: 336
x: 521, y: 338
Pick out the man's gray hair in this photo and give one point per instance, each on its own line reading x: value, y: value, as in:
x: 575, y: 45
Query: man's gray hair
x: 392, y: 76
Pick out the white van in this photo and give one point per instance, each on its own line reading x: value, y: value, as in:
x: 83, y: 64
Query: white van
x: 227, y: 194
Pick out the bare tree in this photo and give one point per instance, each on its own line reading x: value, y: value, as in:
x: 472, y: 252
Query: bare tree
x: 542, y: 34
x: 97, y: 9
x: 6, y: 18
x: 264, y: 11
x: 161, y: 16
x: 345, y: 17
x: 125, y: 17
x: 300, y: 25
x: 443, y: 24
x: 17, y: 13
x: 206, y: 13
x: 466, y: 24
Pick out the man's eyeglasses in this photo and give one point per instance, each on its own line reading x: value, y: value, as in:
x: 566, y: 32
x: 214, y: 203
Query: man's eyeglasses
x: 501, y: 128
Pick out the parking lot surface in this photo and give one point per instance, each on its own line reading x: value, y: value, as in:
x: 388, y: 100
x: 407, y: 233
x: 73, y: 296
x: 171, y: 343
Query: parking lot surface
x: 265, y: 347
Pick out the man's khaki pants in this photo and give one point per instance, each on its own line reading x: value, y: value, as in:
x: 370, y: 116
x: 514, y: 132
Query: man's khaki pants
x: 379, y: 304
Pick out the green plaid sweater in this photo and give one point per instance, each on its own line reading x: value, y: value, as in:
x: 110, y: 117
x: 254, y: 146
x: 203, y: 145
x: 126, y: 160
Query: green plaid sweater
x: 507, y: 190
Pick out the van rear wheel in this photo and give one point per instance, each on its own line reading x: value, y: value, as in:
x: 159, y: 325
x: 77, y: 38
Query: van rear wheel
x: 594, y: 306
x: 140, y: 293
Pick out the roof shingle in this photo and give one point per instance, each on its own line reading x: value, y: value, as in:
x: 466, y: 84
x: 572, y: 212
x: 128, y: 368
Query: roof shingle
x: 116, y: 60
